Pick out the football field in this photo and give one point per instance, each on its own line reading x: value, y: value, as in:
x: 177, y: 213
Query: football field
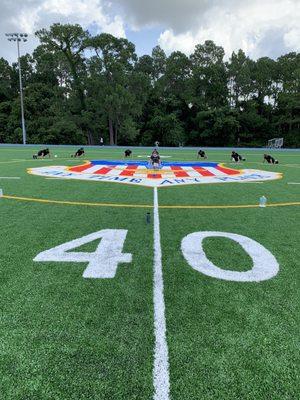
x: 100, y: 300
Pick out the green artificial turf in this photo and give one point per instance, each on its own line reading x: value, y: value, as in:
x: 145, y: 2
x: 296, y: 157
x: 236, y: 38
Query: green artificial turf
x: 64, y: 337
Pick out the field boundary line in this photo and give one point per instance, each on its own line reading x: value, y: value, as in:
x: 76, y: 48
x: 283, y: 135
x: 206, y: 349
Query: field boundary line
x: 76, y: 203
x: 296, y: 203
x: 91, y: 204
x: 161, y: 380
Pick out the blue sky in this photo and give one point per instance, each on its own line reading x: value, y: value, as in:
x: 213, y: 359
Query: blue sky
x: 144, y: 39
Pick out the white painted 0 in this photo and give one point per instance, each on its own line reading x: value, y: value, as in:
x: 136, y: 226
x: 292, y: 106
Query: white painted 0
x: 265, y: 265
x: 103, y: 263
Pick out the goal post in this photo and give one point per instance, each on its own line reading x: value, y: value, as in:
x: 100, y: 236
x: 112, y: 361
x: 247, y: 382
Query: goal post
x: 275, y: 143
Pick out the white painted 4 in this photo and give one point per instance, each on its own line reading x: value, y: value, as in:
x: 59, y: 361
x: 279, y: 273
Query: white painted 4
x: 103, y: 263
x: 265, y: 265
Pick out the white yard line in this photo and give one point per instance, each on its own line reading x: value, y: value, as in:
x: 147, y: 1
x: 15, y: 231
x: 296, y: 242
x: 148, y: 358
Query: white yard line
x: 161, y: 359
x: 293, y: 183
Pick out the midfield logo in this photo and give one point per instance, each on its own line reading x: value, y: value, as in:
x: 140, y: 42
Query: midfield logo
x: 140, y: 173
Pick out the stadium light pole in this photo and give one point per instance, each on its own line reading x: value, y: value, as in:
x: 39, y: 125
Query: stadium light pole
x: 19, y: 37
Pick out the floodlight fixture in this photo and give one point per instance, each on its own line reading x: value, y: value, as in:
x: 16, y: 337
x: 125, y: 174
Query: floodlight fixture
x: 19, y: 37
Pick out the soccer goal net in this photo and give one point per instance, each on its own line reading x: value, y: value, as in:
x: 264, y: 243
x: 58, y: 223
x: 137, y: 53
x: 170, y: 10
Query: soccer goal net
x: 276, y: 143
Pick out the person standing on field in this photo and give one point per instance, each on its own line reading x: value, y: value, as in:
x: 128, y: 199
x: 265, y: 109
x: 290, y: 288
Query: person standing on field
x: 101, y: 141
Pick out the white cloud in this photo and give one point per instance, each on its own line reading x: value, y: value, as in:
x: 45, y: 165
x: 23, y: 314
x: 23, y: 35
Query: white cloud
x: 292, y: 38
x: 246, y: 25
x: 184, y: 42
x: 252, y: 25
x: 31, y: 15
x: 178, y: 15
x: 84, y: 12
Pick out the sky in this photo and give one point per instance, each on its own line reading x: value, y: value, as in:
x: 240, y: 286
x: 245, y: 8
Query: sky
x: 259, y: 27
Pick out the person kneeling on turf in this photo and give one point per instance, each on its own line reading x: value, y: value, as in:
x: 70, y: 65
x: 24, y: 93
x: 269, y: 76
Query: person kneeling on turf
x: 42, y: 153
x: 270, y: 159
x: 237, y: 157
x: 127, y: 153
x: 155, y: 159
x: 201, y: 154
x: 79, y: 152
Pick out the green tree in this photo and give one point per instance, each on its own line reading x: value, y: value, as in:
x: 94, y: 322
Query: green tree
x: 113, y: 69
x: 70, y: 42
x: 240, y: 79
x: 6, y: 72
x: 209, y: 76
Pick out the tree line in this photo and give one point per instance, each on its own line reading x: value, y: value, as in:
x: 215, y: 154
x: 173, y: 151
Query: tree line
x: 79, y: 87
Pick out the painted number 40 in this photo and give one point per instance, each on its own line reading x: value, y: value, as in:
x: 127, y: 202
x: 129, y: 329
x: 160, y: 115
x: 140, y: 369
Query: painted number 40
x: 103, y: 263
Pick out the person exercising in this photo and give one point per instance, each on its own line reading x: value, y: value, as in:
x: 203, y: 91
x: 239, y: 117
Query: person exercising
x: 270, y: 159
x: 127, y: 153
x: 236, y: 157
x: 80, y: 152
x: 201, y: 154
x: 42, y: 154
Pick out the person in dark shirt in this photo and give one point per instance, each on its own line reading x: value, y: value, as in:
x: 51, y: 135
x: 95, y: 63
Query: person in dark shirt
x: 127, y: 153
x: 42, y: 153
x: 236, y: 157
x: 270, y: 159
x: 155, y: 159
x: 80, y: 152
x: 201, y: 154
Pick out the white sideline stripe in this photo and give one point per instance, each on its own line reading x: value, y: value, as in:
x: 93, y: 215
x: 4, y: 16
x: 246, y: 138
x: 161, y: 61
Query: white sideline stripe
x: 10, y: 177
x: 161, y: 358
x: 293, y: 183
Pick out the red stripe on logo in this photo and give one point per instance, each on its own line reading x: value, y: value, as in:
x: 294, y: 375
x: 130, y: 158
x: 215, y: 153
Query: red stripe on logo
x: 103, y: 171
x: 132, y: 166
x: 203, y: 172
x: 80, y: 168
x: 179, y: 172
x: 227, y: 171
x: 176, y: 168
x: 129, y: 170
x: 154, y: 176
x: 127, y: 173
